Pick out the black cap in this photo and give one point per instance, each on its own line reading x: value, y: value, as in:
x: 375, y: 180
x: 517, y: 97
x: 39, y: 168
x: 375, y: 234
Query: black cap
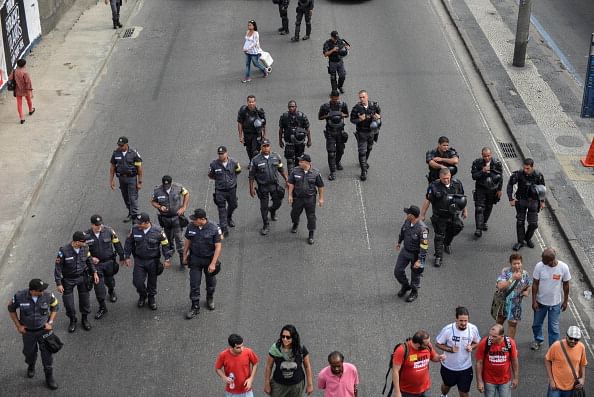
x: 166, y: 180
x: 221, y: 150
x: 198, y: 214
x: 334, y: 34
x: 96, y: 220
x: 37, y: 285
x: 79, y: 236
x: 265, y: 142
x: 305, y: 157
x: 122, y: 140
x: 335, y: 93
x: 413, y: 210
x: 143, y: 218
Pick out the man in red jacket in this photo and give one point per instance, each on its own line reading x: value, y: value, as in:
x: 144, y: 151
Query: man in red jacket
x: 497, y: 367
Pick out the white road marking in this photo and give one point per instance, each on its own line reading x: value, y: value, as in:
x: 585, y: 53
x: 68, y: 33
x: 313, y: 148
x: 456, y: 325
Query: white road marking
x: 358, y: 187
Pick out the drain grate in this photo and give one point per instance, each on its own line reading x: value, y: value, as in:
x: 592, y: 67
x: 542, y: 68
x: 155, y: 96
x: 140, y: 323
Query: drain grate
x: 128, y: 33
x: 508, y: 150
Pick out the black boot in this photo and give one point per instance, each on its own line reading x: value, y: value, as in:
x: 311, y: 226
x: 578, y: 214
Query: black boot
x: 152, y: 303
x: 85, y: 323
x: 210, y: 303
x: 31, y: 370
x: 295, y: 38
x: 294, y: 228
x: 141, y: 301
x: 272, y: 214
x: 72, y: 324
x: 310, y: 239
x: 113, y: 298
x: 307, y: 31
x: 521, y: 235
x: 120, y: 24
x: 403, y: 290
x: 49, y: 379
x: 101, y: 312
x: 529, y: 234
x: 412, y: 296
x: 115, y: 24
x: 181, y: 261
x: 193, y: 312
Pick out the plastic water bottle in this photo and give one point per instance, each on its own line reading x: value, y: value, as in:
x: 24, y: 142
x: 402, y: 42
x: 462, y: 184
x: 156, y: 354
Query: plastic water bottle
x: 232, y: 384
x: 588, y: 294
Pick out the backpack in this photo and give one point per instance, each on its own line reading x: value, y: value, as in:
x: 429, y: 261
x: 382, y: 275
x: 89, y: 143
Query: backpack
x: 391, y: 365
x: 508, y: 345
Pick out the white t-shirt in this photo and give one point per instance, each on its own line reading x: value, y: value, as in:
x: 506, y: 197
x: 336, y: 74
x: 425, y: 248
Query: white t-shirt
x: 252, y: 44
x: 550, y: 286
x: 451, y: 336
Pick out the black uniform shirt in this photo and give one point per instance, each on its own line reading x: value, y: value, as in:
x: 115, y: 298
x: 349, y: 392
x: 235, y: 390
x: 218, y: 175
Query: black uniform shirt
x: 492, y: 180
x: 203, y: 239
x: 364, y: 125
x: 306, y: 183
x: 246, y: 118
x: 126, y: 164
x: 225, y: 177
x: 328, y: 107
x: 33, y: 315
x: 70, y: 264
x: 264, y: 170
x: 437, y: 194
x: 328, y: 45
x: 146, y: 245
x: 172, y: 200
x: 305, y: 5
x: 431, y: 154
x: 102, y: 246
x: 525, y: 183
x: 415, y: 237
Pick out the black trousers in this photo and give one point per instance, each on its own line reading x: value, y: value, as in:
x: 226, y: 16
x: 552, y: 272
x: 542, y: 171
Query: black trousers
x: 199, y: 265
x: 445, y: 228
x: 109, y: 281
x: 144, y: 276
x: 273, y: 192
x: 299, y: 17
x: 173, y: 232
x: 292, y: 152
x: 334, y: 69
x: 282, y: 11
x: 484, y: 199
x: 405, y: 258
x: 115, y: 9
x: 251, y: 143
x: 84, y: 304
x: 309, y: 205
x: 526, y: 210
x: 334, y: 147
x: 226, y: 202
x: 31, y: 345
x: 129, y: 193
x: 364, y: 146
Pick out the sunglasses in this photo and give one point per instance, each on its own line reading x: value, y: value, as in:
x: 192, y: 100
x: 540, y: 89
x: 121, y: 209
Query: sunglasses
x: 573, y: 339
x: 287, y: 337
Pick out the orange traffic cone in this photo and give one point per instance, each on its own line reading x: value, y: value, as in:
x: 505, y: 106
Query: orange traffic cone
x: 588, y: 161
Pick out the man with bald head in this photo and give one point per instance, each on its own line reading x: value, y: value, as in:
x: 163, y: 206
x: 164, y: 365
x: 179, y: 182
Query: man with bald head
x: 550, y: 294
x: 497, y: 364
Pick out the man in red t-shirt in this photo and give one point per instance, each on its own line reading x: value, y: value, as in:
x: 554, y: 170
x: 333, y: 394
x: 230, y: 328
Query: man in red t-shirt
x: 497, y: 367
x: 236, y: 366
x: 410, y: 374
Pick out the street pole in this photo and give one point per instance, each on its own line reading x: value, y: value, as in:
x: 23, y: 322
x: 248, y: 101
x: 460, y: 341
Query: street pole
x: 522, y: 33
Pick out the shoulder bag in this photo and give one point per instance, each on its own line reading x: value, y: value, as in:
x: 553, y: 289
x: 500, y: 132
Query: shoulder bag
x: 575, y: 392
x: 499, y: 298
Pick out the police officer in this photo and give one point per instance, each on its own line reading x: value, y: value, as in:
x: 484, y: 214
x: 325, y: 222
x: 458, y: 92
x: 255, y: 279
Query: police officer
x: 415, y: 235
x: 102, y: 240
x: 251, y: 126
x: 487, y: 171
x: 126, y: 164
x: 304, y: 7
x: 334, y: 112
x: 529, y: 200
x: 202, y: 249
x: 283, y: 6
x: 224, y: 171
x: 264, y: 170
x: 73, y: 267
x: 446, y: 195
x: 144, y: 242
x: 37, y: 312
x: 115, y: 12
x: 293, y: 129
x: 441, y: 157
x: 335, y: 49
x: 304, y: 183
x: 367, y: 118
x: 171, y: 200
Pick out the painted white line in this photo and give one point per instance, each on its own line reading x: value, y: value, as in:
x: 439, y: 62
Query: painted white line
x: 206, y: 200
x: 360, y: 193
x: 580, y: 323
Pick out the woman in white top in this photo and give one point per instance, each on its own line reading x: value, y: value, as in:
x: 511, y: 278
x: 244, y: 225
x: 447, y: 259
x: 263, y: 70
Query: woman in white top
x: 251, y: 47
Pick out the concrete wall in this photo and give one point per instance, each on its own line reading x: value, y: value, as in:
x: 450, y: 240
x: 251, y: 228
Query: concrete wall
x: 50, y: 11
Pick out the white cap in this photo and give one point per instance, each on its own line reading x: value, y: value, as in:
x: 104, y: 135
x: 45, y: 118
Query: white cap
x: 574, y: 332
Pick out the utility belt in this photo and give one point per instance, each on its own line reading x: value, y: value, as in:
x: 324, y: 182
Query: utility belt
x: 226, y: 189
x: 73, y: 275
x: 127, y: 174
x: 105, y: 260
x: 305, y: 196
x: 146, y: 258
x: 34, y: 329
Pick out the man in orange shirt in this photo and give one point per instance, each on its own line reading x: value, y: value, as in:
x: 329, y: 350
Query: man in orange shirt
x: 561, y: 373
x: 236, y: 366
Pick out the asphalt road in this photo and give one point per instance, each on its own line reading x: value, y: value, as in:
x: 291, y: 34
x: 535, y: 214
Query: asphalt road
x: 174, y: 91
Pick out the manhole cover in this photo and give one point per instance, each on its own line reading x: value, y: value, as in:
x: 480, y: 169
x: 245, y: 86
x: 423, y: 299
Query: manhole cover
x: 570, y: 141
x: 508, y: 150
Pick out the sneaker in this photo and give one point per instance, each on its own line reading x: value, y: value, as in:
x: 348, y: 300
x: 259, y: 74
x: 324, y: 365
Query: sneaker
x: 246, y: 80
x: 535, y: 345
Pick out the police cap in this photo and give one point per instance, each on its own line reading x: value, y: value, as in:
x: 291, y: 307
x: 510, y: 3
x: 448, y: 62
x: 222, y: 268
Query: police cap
x: 413, y: 210
x: 122, y: 140
x: 96, y: 220
x: 79, y: 236
x: 265, y: 142
x: 143, y: 218
x: 198, y: 214
x: 221, y: 150
x: 305, y: 157
x: 166, y: 180
x: 37, y: 285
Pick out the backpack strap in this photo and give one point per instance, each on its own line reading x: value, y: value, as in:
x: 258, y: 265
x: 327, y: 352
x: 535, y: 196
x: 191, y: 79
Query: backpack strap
x: 391, y: 365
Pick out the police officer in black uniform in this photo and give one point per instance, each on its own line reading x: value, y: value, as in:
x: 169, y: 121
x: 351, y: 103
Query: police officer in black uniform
x: 334, y: 112
x: 264, y: 170
x: 293, y: 129
x: 367, y: 118
x: 202, y: 249
x: 37, y: 312
x: 304, y: 7
x: 251, y: 126
x: 446, y: 195
x: 335, y: 49
x: 415, y: 235
x: 73, y: 267
x: 487, y: 171
x: 441, y: 157
x: 529, y: 200
x: 171, y: 200
x: 283, y: 6
x: 224, y: 171
x: 102, y: 240
x: 147, y: 242
x: 304, y: 184
x: 126, y: 164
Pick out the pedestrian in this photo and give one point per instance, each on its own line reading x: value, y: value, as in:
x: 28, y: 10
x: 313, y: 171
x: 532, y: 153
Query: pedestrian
x: 251, y: 126
x: 73, y: 267
x: 202, y: 249
x: 102, y: 240
x: 224, y: 171
x: 334, y: 112
x: 566, y: 364
x: 458, y: 340
x: 115, y: 12
x: 550, y: 296
x: 304, y: 8
x: 367, y: 118
x: 528, y: 201
x: 338, y: 379
x: 305, y: 182
x: 37, y: 312
x: 252, y: 50
x: 441, y: 157
x: 446, y: 196
x: 410, y: 365
x: 144, y: 242
x: 487, y: 172
x: 415, y: 235
x: 335, y: 49
x: 283, y: 6
x: 171, y: 200
x: 24, y: 88
x: 264, y: 170
x: 497, y: 365
x: 515, y: 283
x: 237, y: 366
x: 292, y: 375
x: 293, y: 130
x: 126, y: 164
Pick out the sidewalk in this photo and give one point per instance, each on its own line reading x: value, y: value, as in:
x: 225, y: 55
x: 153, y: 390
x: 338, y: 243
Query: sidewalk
x: 63, y: 67
x: 540, y: 105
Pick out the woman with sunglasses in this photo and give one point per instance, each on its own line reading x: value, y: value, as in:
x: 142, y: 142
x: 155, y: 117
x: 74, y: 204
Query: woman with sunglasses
x: 292, y: 373
x: 252, y: 50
